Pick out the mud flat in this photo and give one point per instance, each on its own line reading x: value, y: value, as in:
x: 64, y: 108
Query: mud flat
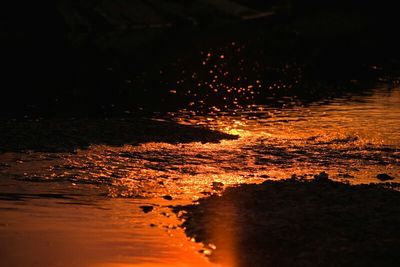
x: 299, y: 222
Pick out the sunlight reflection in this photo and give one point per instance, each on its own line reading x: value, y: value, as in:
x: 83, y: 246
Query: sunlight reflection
x: 155, y: 264
x: 224, y: 234
x: 352, y: 138
x: 345, y: 135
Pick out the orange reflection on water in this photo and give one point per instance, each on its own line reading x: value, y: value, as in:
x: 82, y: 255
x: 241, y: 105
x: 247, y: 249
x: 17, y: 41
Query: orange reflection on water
x: 354, y: 136
x: 349, y: 138
x: 224, y: 234
x: 144, y: 265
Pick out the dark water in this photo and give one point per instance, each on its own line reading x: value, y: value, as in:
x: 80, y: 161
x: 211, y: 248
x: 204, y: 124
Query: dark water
x: 83, y: 209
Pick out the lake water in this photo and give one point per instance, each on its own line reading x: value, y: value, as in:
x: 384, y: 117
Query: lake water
x: 84, y: 208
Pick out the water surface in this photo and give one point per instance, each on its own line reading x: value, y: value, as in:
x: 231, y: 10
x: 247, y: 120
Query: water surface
x: 84, y: 208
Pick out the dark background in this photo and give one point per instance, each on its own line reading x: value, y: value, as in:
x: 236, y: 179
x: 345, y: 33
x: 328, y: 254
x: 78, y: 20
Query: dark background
x: 93, y: 58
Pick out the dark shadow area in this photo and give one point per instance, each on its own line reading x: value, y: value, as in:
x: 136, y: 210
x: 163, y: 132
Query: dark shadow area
x: 101, y: 58
x: 298, y: 222
x: 66, y: 135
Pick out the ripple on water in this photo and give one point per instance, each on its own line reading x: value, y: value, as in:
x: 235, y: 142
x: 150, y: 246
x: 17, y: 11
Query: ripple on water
x: 357, y: 136
x: 352, y: 139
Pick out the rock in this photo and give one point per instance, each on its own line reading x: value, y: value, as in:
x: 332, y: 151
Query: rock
x: 323, y: 176
x: 146, y: 209
x: 384, y: 177
x: 217, y: 185
x: 167, y: 197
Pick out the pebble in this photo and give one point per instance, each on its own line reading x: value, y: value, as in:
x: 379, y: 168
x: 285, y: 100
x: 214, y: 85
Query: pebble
x: 384, y: 177
x: 167, y: 197
x: 146, y: 209
x: 323, y: 176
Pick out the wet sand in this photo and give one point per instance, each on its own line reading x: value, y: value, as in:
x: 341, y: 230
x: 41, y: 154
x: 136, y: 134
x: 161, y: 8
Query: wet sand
x: 299, y: 222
